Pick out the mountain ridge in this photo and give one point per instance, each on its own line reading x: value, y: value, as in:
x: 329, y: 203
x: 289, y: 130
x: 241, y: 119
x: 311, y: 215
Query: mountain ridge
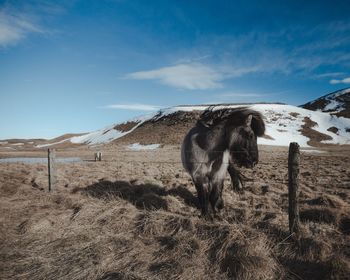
x: 284, y: 123
x: 336, y: 103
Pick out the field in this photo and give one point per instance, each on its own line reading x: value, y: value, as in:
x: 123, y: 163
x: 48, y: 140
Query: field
x: 134, y: 215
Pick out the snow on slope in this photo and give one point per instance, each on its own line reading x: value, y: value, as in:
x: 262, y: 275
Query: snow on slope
x: 51, y: 144
x: 98, y: 137
x: 283, y: 124
x: 109, y: 133
x: 333, y: 106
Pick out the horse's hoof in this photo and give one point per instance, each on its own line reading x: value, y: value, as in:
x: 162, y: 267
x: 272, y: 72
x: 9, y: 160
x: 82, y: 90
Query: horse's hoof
x: 206, y: 217
x: 239, y: 190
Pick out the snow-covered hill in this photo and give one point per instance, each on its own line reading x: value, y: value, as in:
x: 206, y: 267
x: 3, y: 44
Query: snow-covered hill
x: 284, y: 123
x: 337, y: 103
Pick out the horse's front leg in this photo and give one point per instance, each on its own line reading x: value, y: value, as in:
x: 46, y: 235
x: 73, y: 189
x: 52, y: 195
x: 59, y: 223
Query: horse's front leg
x: 215, y: 197
x: 236, y: 180
x: 203, y: 191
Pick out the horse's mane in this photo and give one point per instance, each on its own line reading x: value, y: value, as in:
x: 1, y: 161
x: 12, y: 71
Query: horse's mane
x: 211, y: 117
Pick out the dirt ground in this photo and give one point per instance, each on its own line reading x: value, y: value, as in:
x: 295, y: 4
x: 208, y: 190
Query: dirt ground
x: 135, y: 215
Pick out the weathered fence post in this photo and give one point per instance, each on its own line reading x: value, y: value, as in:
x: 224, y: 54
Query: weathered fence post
x: 51, y: 167
x: 293, y: 188
x: 98, y: 156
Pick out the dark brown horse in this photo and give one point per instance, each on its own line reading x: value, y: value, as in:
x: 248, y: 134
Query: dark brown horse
x: 221, y: 139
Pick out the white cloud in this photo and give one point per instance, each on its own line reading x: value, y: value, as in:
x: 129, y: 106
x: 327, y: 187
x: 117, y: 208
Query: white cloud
x: 185, y: 76
x: 342, y: 81
x: 192, y: 75
x: 137, y: 107
x: 15, y: 27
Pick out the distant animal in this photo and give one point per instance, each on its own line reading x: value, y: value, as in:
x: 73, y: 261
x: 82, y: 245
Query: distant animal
x: 98, y: 156
x: 221, y: 139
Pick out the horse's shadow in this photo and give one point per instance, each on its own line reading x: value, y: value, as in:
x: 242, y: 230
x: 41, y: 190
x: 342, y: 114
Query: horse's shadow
x: 144, y: 196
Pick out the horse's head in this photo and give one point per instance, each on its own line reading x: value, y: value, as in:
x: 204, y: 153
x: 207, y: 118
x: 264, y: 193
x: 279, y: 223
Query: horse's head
x: 242, y: 140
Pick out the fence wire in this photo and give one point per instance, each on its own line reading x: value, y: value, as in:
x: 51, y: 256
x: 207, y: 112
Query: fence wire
x: 320, y: 174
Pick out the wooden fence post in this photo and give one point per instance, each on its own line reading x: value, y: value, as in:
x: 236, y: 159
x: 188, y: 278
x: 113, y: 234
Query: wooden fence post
x: 51, y: 167
x: 293, y: 188
x: 98, y: 156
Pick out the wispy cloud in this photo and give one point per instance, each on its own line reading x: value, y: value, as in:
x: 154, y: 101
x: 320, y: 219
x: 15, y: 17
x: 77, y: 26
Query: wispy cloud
x: 185, y: 76
x: 15, y: 27
x: 240, y: 94
x: 19, y: 20
x: 341, y: 81
x: 331, y: 74
x: 291, y: 50
x: 135, y: 107
x: 193, y: 59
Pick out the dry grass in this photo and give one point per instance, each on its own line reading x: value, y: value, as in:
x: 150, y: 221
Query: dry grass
x: 115, y: 220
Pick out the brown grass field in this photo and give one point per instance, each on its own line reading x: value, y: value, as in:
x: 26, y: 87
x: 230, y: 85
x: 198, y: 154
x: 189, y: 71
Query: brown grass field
x: 134, y: 216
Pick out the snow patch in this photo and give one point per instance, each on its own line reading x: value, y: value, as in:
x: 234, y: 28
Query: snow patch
x: 333, y: 105
x: 138, y: 147
x: 313, y: 151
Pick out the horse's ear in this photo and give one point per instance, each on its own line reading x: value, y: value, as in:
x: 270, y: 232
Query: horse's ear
x: 248, y: 120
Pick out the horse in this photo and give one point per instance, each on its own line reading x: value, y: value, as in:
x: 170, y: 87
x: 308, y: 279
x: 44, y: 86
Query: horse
x: 221, y: 139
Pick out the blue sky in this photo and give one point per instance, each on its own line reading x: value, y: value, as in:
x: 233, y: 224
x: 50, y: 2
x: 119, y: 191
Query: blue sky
x: 77, y: 66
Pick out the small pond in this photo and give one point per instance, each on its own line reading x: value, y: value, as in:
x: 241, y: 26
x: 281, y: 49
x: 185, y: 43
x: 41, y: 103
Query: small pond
x: 33, y: 160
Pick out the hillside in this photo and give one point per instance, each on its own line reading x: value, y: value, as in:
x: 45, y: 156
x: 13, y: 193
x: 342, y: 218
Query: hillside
x: 62, y: 141
x: 336, y: 103
x: 283, y: 123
